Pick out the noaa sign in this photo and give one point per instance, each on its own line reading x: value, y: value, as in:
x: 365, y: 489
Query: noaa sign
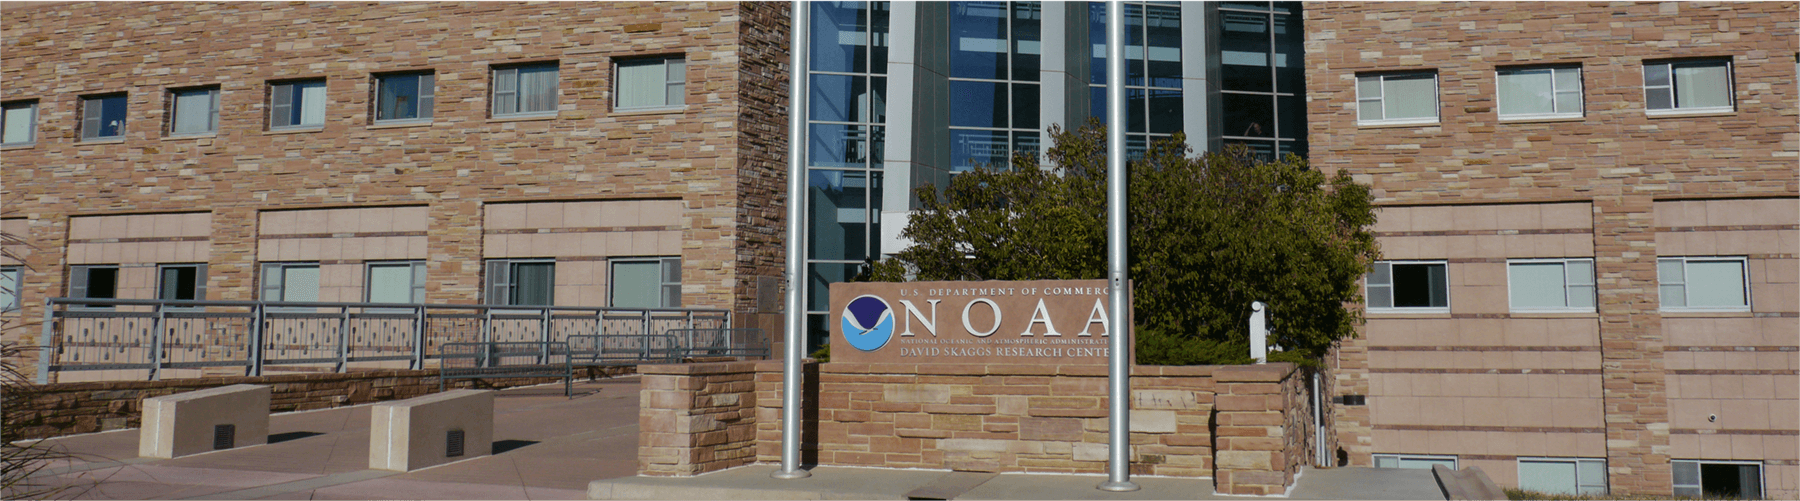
x: 1026, y: 322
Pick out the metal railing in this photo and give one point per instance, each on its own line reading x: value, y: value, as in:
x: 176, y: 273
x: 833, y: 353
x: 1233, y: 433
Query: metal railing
x: 131, y: 339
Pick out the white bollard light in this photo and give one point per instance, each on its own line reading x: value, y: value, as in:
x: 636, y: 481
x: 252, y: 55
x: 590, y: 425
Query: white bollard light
x: 1259, y: 332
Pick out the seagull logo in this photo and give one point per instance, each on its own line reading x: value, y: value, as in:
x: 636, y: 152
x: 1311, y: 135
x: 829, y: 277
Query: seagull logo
x: 868, y: 323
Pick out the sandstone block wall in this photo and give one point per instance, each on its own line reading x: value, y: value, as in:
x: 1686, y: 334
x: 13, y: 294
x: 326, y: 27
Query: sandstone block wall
x: 696, y: 418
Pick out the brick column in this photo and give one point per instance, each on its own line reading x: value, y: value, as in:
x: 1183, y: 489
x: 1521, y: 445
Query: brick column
x: 696, y: 418
x: 1633, y: 383
x: 454, y: 249
x: 1251, y: 435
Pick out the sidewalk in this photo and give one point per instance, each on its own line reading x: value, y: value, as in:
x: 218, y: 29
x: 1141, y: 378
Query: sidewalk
x: 546, y: 447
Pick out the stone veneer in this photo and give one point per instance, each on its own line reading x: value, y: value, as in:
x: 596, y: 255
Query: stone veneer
x: 987, y: 418
x: 721, y: 157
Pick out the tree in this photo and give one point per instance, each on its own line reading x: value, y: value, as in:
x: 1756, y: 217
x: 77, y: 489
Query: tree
x: 1209, y: 234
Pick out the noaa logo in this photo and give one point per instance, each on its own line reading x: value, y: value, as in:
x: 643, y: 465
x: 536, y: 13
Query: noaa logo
x: 868, y: 323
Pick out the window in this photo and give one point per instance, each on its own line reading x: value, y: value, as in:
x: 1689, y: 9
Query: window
x: 646, y: 283
x: 1687, y: 86
x: 18, y: 123
x: 651, y: 83
x: 181, y: 282
x: 9, y: 288
x: 522, y: 282
x: 195, y: 111
x: 1551, y: 284
x: 290, y: 282
x: 296, y: 105
x: 396, y: 282
x: 1703, y: 283
x: 94, y: 282
x: 1718, y: 479
x: 1563, y: 475
x: 103, y: 117
x: 1413, y: 461
x: 1411, y: 286
x: 1401, y: 98
x: 1540, y: 92
x: 528, y: 90
x: 404, y: 97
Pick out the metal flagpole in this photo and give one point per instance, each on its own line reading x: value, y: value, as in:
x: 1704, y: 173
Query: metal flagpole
x: 799, y: 28
x: 1118, y: 369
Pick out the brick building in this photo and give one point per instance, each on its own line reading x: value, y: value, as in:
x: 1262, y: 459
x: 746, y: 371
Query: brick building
x: 1569, y: 191
x: 618, y: 154
x: 1589, y: 215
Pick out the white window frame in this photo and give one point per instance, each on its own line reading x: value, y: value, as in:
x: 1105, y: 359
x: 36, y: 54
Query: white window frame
x: 1674, y: 91
x: 425, y: 108
x: 1454, y: 462
x: 1369, y: 283
x: 30, y: 124
x: 12, y: 279
x: 1580, y: 482
x: 498, y: 75
x: 1567, y: 284
x: 1743, y: 262
x: 1580, y: 94
x: 1437, y: 104
x: 293, y: 85
x: 212, y: 112
x: 669, y: 82
x: 664, y: 286
x: 1762, y: 475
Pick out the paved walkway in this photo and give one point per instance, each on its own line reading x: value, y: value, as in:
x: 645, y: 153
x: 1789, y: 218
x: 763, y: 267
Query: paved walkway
x: 547, y: 447
x: 551, y: 447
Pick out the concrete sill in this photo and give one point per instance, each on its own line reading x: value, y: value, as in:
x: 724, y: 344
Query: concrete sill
x: 529, y: 118
x: 20, y: 146
x: 1509, y: 121
x: 1689, y: 114
x: 117, y: 140
x: 190, y: 137
x: 1707, y: 314
x: 303, y: 130
x: 400, y: 125
x: 650, y: 112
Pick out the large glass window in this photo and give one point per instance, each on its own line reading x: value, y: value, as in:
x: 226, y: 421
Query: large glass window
x: 1413, y: 461
x: 525, y: 90
x: 1703, y: 283
x: 1261, y: 85
x: 645, y: 283
x: 1153, y: 94
x: 196, y: 111
x: 995, y: 59
x: 1569, y: 476
x: 1551, y: 284
x: 1688, y: 86
x: 290, y: 282
x: 524, y: 282
x: 1540, y: 92
x: 1396, y: 98
x: 651, y: 83
x: 1409, y: 286
x: 396, y: 282
x: 103, y: 117
x: 18, y: 124
x: 401, y: 97
x: 297, y: 104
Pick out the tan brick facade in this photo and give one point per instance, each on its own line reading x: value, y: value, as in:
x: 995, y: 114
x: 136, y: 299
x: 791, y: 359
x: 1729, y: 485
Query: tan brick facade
x: 718, y: 159
x: 1477, y: 191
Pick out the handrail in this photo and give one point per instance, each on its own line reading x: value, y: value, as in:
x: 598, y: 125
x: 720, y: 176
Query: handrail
x: 155, y: 336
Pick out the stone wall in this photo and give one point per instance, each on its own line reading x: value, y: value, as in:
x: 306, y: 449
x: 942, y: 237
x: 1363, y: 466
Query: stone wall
x: 696, y: 418
x: 59, y: 409
x: 984, y: 418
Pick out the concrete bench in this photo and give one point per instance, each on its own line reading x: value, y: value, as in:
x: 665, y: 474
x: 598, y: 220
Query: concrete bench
x: 431, y: 430
x: 204, y: 421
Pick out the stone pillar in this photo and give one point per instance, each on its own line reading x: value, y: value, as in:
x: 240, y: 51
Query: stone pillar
x: 454, y: 249
x: 696, y: 418
x: 1633, y: 381
x: 1251, y: 430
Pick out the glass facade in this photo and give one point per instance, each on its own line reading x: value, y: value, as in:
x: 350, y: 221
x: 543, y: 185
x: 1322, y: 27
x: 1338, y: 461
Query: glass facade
x: 1153, y: 71
x: 972, y: 86
x: 996, y: 57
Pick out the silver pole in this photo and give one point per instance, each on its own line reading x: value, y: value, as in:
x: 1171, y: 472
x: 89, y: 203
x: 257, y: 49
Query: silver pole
x: 1118, y: 369
x: 796, y: 201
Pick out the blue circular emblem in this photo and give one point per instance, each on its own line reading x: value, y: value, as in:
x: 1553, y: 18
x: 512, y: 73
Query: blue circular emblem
x: 868, y: 323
